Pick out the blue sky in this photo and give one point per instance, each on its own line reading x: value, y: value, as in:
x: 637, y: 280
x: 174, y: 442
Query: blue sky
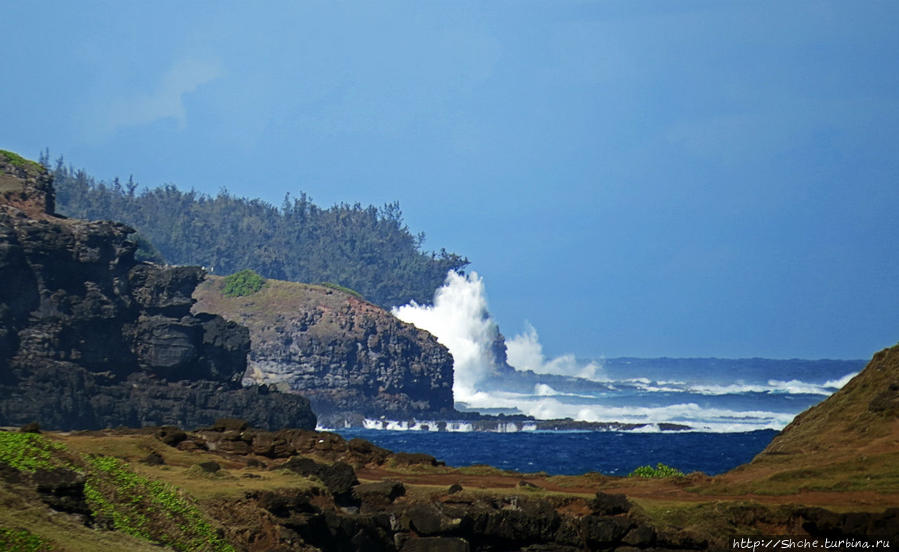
x: 632, y: 178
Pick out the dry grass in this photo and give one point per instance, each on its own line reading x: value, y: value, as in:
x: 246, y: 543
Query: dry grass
x: 64, y: 532
x: 179, y: 469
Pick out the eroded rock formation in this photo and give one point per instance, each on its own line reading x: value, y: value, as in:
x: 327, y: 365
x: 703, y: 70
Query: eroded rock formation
x: 346, y: 355
x: 91, y: 338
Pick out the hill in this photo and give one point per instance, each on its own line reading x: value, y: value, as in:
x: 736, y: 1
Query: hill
x: 346, y: 355
x: 850, y: 441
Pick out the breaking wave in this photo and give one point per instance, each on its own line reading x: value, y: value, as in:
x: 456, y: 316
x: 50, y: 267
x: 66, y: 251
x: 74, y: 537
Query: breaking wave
x: 566, y: 387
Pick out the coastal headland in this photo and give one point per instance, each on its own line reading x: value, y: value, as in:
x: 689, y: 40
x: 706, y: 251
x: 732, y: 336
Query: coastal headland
x: 91, y: 339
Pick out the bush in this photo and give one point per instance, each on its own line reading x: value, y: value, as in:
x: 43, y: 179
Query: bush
x: 660, y: 471
x: 245, y: 282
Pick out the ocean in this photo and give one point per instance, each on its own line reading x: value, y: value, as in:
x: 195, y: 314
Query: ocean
x: 732, y: 409
x: 577, y: 452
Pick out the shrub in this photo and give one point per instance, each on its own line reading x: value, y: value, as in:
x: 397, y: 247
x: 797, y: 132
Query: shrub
x: 660, y: 471
x: 245, y: 282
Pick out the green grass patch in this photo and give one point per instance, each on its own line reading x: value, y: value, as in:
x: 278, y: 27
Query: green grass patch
x: 18, y: 161
x: 245, y: 282
x: 146, y: 508
x: 22, y: 540
x: 341, y: 288
x: 660, y: 471
x: 29, y: 452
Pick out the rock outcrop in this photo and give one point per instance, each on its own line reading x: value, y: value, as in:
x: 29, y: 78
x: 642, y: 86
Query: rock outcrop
x: 346, y: 355
x: 91, y: 338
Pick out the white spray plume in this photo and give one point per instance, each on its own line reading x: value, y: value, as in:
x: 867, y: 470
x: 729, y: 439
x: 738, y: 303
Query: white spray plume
x: 525, y: 352
x: 459, y: 319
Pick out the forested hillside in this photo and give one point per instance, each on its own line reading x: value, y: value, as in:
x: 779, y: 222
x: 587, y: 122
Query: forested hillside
x: 367, y: 249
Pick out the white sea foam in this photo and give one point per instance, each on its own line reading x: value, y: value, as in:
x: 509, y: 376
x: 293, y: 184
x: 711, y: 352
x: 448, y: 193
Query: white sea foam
x: 444, y: 425
x: 840, y: 383
x: 460, y: 320
x: 691, y: 414
x: 792, y: 387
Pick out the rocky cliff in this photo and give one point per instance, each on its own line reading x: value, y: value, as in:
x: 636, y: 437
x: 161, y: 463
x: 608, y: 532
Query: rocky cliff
x: 346, y: 355
x: 91, y: 338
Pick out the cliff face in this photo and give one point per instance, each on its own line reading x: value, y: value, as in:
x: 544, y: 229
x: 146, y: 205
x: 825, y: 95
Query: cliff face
x: 344, y: 354
x: 91, y: 338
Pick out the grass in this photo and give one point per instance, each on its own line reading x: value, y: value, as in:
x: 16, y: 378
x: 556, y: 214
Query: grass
x: 341, y: 288
x: 29, y: 452
x: 22, y: 540
x: 20, y: 510
x: 877, y: 473
x: 179, y: 471
x: 129, y: 502
x: 270, y: 313
x: 18, y: 161
x: 148, y: 508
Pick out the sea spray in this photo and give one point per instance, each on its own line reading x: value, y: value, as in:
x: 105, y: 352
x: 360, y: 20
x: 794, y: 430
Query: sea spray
x: 525, y: 352
x: 700, y: 393
x: 460, y: 321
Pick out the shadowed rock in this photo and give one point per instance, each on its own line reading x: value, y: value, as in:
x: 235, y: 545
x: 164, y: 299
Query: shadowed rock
x: 91, y: 338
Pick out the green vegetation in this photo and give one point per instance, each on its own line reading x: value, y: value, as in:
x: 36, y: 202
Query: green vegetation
x: 17, y: 160
x: 245, y: 282
x: 658, y: 472
x: 146, y: 508
x: 21, y: 540
x: 339, y: 287
x: 28, y: 452
x: 367, y: 249
x: 128, y: 502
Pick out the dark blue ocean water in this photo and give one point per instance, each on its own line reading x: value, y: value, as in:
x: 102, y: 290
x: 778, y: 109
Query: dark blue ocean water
x: 611, y: 453
x: 734, y: 408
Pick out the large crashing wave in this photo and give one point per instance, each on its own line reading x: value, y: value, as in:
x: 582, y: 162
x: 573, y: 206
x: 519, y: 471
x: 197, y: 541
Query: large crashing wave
x: 564, y: 387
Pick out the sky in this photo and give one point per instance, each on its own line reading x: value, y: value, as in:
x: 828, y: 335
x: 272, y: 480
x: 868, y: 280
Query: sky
x: 630, y: 178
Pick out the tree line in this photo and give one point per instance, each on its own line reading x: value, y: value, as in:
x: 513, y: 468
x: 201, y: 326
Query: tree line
x: 367, y: 249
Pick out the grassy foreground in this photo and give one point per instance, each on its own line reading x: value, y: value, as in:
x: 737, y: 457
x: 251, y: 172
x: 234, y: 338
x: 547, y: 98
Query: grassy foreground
x: 833, y: 472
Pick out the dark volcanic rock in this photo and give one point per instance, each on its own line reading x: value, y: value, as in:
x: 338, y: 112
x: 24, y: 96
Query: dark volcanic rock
x: 610, y: 504
x: 339, y: 477
x: 376, y: 496
x: 62, y: 490
x: 91, y: 338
